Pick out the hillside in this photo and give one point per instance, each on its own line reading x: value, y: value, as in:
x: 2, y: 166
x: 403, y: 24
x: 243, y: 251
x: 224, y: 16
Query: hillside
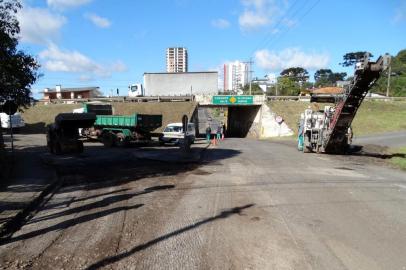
x: 372, y: 117
x: 38, y: 116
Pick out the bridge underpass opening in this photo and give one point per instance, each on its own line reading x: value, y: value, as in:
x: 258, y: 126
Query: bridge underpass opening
x: 239, y: 119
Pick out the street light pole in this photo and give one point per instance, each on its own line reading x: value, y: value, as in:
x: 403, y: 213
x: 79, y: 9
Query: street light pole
x: 388, y: 85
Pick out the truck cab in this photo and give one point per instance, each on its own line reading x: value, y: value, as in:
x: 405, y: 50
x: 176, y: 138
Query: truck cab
x: 136, y: 90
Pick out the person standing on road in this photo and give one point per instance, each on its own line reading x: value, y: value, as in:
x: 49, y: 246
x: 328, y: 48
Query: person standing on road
x: 223, y: 131
x: 208, y: 133
x: 218, y: 134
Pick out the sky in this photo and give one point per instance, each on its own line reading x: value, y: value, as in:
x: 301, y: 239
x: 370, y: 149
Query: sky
x: 110, y: 44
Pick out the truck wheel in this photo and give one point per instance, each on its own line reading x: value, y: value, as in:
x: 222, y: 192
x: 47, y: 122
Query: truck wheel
x: 122, y: 140
x: 306, y: 145
x: 108, y: 139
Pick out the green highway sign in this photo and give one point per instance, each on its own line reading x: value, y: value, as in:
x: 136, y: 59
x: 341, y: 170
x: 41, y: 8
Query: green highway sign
x: 233, y: 100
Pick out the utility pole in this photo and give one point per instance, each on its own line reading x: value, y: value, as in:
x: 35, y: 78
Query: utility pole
x: 388, y: 86
x: 250, y: 62
x: 276, y: 88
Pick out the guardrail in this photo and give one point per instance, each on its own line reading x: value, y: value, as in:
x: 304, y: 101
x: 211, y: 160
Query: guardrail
x: 122, y: 99
x: 307, y: 98
x: 202, y: 99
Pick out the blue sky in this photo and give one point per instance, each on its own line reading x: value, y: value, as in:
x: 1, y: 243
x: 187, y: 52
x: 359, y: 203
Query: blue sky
x: 111, y: 44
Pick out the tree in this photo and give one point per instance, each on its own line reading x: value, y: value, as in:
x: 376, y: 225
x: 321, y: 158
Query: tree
x: 255, y: 89
x: 397, y: 80
x: 322, y: 77
x: 338, y: 76
x: 326, y: 77
x: 18, y: 71
x: 297, y: 74
x: 322, y: 74
x: 287, y: 86
x: 353, y: 57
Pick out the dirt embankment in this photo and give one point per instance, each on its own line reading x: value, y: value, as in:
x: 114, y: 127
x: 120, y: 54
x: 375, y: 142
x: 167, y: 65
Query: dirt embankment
x: 372, y: 117
x: 40, y: 115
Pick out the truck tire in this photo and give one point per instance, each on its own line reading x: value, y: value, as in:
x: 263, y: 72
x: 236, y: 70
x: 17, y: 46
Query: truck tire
x: 306, y: 145
x: 108, y: 139
x: 122, y: 140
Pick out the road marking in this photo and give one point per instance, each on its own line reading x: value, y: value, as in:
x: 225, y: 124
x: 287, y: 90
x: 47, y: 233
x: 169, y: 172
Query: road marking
x: 401, y: 186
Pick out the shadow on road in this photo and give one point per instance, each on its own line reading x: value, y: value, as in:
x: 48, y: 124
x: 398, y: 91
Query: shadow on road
x: 118, y: 257
x: 121, y: 167
x: 99, y: 168
x: 69, y: 223
x: 99, y: 204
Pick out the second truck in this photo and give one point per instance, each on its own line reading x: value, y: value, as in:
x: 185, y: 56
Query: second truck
x: 119, y: 130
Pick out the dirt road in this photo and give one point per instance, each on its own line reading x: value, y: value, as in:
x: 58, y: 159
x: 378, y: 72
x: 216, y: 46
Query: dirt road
x: 249, y: 205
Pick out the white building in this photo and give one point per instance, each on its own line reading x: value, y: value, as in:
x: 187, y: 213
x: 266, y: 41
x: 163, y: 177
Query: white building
x: 181, y: 83
x: 176, y: 60
x: 235, y: 75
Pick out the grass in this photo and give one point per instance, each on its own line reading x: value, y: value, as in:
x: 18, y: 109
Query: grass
x: 37, y: 117
x: 372, y: 117
x: 380, y: 116
x: 40, y: 115
x: 400, y: 159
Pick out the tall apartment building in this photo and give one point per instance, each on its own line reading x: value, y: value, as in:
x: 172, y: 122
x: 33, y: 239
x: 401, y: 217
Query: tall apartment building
x: 176, y: 60
x: 235, y: 75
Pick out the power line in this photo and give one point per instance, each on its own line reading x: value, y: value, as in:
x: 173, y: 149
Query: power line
x: 281, y: 19
x: 300, y: 19
x: 275, y: 39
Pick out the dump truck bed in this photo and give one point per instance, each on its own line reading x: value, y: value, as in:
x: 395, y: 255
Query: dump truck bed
x: 142, y: 121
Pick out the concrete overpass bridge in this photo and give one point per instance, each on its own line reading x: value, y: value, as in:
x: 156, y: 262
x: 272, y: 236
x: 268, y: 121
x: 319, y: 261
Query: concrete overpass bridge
x: 244, y: 113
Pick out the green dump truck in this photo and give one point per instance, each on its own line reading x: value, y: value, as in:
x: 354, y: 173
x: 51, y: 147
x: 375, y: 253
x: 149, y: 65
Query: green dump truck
x: 119, y: 130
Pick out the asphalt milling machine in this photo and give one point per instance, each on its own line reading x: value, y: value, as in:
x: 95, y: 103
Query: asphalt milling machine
x: 329, y: 130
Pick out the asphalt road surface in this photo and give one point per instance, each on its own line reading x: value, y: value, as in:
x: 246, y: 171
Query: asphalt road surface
x: 249, y: 205
x: 205, y: 119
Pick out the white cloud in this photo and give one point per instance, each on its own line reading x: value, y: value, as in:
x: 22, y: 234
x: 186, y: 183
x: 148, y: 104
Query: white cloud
x: 98, y: 20
x: 54, y: 59
x: 250, y: 19
x: 259, y: 13
x: 220, y: 23
x: 38, y: 25
x: 65, y: 4
x: 290, y: 57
